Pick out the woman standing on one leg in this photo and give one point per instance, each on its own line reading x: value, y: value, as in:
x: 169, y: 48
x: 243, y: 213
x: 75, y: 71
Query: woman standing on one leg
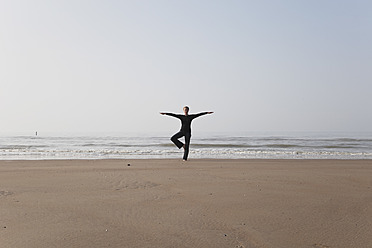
x: 186, y: 120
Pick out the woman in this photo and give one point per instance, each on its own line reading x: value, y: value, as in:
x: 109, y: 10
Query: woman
x: 186, y: 120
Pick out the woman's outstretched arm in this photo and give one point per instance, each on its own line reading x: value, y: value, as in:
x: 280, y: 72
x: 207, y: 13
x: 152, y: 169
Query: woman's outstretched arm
x: 170, y: 114
x: 203, y: 113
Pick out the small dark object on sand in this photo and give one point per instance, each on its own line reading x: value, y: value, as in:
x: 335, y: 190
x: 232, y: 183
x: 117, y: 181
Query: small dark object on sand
x: 128, y: 164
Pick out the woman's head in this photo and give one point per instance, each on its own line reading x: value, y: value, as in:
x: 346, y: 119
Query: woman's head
x: 186, y: 110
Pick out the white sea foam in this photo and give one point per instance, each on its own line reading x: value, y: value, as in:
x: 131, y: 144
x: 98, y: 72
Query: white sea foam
x: 315, y: 146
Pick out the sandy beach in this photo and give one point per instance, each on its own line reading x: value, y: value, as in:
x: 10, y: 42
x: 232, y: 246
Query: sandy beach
x: 199, y: 203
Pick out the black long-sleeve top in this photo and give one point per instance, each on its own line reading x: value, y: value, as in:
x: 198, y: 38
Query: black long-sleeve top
x: 186, y: 120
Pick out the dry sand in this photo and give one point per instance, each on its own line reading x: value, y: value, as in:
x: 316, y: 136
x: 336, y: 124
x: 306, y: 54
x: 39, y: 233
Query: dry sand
x: 199, y: 203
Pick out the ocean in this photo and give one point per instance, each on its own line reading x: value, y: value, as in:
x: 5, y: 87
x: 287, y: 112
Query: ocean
x: 216, y: 146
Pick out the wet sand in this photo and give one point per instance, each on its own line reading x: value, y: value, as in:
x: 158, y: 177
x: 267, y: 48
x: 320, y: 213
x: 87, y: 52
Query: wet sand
x: 199, y: 203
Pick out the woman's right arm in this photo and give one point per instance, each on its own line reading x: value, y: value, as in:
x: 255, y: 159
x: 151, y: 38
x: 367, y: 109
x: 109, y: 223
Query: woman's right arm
x: 170, y: 114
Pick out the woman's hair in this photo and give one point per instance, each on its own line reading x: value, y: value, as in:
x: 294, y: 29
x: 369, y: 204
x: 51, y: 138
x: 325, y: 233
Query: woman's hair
x: 186, y: 107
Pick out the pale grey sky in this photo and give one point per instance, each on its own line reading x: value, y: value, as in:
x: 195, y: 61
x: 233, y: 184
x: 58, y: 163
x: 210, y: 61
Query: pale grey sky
x: 112, y: 66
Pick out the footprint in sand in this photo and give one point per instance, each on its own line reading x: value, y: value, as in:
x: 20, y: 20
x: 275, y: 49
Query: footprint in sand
x: 140, y: 185
x: 5, y: 193
x: 320, y: 246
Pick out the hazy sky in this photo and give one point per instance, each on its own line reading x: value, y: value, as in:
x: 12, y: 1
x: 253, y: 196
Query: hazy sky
x: 112, y: 66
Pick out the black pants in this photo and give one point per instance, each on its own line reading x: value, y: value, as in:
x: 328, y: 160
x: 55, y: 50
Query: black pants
x: 179, y: 144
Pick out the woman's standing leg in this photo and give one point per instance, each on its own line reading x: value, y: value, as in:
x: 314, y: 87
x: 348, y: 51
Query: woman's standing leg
x: 187, y: 145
